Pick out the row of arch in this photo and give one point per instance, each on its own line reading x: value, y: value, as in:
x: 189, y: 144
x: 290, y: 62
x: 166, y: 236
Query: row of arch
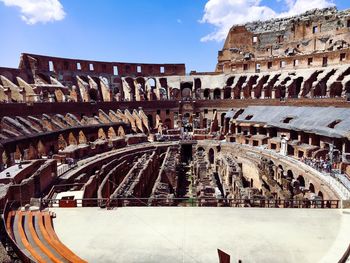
x: 37, y: 148
x: 297, y: 181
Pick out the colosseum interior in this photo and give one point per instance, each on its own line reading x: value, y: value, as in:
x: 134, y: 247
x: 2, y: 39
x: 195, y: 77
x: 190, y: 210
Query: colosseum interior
x: 93, y: 143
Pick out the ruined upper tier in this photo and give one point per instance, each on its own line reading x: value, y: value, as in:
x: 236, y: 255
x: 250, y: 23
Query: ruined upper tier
x: 313, y: 39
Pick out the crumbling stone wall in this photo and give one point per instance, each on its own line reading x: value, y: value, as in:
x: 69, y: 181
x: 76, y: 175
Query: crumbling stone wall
x: 287, y: 42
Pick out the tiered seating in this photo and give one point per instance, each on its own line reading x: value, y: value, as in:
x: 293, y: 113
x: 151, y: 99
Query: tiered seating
x: 33, y: 233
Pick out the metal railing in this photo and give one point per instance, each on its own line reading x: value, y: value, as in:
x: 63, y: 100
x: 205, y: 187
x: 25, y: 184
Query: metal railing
x: 328, y: 180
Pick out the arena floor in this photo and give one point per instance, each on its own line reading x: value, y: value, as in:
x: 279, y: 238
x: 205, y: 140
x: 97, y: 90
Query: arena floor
x: 183, y: 234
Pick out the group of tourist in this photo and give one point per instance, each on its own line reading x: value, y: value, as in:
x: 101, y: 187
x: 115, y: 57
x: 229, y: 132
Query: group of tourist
x: 319, y: 164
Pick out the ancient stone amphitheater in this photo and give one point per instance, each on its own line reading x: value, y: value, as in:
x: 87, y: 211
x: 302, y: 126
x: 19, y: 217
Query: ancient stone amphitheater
x: 130, y: 162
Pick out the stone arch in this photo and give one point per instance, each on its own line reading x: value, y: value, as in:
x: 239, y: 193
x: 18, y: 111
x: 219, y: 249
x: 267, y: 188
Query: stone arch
x: 186, y: 89
x: 152, y: 86
x: 211, y: 156
x: 71, y: 139
x: 222, y: 119
x: 151, y: 82
x: 290, y: 174
x: 130, y: 82
x: 197, y: 83
x: 320, y: 194
x: 150, y: 120
x: 121, y: 131
x: 140, y: 89
x: 336, y: 90
x: 200, y: 149
x: 111, y: 133
x: 175, y: 94
x: 41, y: 148
x: 206, y: 94
x: 82, y: 138
x: 294, y: 90
x: 217, y: 94
x: 320, y: 90
x: 93, y: 94
x: 5, y: 158
x: 101, y: 134
x: 301, y: 180
x: 61, y: 142
x: 18, y: 154
x: 227, y: 93
x: 280, y: 171
x: 312, y: 188
x: 32, y: 152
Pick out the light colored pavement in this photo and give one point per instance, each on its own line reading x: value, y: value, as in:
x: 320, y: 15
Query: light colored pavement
x: 183, y: 234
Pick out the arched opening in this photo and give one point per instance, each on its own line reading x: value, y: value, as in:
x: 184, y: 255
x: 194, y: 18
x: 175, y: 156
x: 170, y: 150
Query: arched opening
x: 320, y: 194
x: 200, y: 149
x: 251, y: 182
x: 217, y: 94
x: 18, y: 155
x: 336, y: 90
x: 101, y: 134
x: 294, y: 90
x: 175, y: 94
x: 82, y: 138
x: 111, y: 133
x: 130, y: 88
x: 32, y: 152
x: 5, y: 159
x: 71, y: 139
x: 227, y: 93
x: 222, y: 119
x: 150, y: 121
x: 197, y: 87
x: 301, y: 180
x: 93, y: 95
x: 206, y: 94
x: 312, y: 188
x: 211, y: 156
x: 163, y: 93
x: 41, y: 149
x: 121, y: 131
x: 186, y: 89
x: 197, y: 83
x: 61, y: 142
x: 290, y: 174
x: 141, y: 89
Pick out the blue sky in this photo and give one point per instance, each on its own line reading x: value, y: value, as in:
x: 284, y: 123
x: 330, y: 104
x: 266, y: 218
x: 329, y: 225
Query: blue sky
x: 150, y: 31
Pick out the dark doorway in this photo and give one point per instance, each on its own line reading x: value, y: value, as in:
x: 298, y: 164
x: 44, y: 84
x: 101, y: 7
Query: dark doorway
x: 186, y: 153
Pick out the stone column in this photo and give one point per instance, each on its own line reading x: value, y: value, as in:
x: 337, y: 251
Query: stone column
x: 273, y: 94
x: 242, y: 94
x: 252, y: 94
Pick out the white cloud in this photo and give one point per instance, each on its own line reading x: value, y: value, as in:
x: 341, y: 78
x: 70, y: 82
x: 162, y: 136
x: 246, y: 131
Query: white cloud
x: 223, y: 14
x: 38, y: 11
